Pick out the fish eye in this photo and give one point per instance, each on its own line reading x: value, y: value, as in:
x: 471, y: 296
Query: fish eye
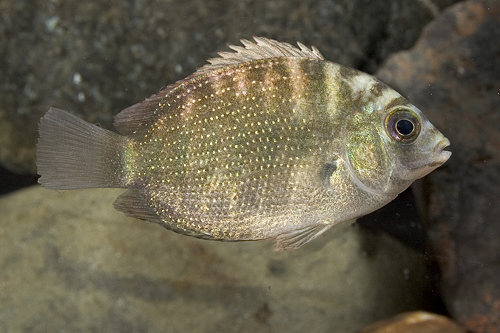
x: 403, y: 125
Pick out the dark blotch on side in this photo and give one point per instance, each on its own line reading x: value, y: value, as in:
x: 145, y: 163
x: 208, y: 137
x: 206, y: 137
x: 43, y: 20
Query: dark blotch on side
x: 327, y: 171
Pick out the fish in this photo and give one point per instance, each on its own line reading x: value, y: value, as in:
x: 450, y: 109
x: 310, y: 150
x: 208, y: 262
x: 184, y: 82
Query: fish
x: 268, y: 141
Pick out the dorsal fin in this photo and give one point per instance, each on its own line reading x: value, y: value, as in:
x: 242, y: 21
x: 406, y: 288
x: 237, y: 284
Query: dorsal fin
x: 138, y: 117
x: 263, y: 48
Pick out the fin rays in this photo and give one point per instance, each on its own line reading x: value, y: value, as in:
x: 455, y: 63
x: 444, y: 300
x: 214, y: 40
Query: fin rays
x: 74, y: 154
x: 263, y: 48
x: 296, y: 238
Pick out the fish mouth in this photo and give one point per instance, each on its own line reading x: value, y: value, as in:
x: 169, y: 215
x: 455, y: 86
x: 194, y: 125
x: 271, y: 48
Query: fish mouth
x: 441, y: 154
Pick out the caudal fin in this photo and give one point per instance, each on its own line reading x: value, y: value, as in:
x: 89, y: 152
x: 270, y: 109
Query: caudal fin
x: 73, y: 154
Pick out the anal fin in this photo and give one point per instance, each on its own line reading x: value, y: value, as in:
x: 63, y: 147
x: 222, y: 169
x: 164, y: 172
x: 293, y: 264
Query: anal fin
x: 132, y: 203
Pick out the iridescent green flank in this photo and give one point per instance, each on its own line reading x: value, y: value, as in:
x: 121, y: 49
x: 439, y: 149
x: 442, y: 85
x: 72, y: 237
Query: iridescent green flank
x: 233, y: 148
x: 271, y: 141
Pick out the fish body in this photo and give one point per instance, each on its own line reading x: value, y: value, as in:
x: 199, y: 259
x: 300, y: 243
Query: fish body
x: 270, y: 141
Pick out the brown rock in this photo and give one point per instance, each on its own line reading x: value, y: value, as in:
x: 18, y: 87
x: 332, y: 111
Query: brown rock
x: 452, y: 74
x: 414, y: 322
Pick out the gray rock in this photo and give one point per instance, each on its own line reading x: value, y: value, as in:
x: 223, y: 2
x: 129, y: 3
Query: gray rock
x: 96, y: 58
x: 452, y: 74
x: 70, y: 262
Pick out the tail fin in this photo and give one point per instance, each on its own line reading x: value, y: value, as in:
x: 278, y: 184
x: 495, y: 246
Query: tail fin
x: 73, y: 154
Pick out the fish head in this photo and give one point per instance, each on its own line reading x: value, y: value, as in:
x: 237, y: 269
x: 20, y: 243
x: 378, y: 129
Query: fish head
x: 393, y: 146
x: 414, y: 145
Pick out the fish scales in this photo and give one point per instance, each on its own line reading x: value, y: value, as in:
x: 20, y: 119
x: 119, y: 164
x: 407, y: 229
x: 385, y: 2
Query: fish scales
x: 271, y: 141
x: 235, y: 143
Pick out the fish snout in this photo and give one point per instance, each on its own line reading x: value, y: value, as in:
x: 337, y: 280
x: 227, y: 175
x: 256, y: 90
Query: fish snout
x: 440, y: 154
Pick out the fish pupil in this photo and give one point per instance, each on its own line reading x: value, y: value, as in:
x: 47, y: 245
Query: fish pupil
x: 404, y: 127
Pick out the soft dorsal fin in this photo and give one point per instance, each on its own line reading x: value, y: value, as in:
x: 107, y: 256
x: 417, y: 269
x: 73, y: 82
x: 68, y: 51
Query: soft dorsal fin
x: 263, y: 48
x: 138, y: 117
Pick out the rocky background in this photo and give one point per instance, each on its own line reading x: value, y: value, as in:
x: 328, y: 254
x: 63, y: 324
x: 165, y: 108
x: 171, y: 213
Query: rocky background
x: 69, y: 262
x: 453, y: 75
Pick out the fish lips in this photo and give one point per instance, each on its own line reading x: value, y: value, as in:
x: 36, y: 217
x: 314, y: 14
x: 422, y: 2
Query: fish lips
x: 442, y: 155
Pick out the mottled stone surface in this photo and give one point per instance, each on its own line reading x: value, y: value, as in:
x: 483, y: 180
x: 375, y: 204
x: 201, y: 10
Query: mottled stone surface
x: 72, y: 263
x: 97, y: 57
x: 453, y: 74
x: 414, y: 322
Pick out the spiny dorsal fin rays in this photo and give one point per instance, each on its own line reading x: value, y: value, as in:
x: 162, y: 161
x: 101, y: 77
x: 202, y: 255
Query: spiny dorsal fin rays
x: 263, y: 48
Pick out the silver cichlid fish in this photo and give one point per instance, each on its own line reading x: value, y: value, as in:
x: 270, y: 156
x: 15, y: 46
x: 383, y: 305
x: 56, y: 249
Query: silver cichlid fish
x: 269, y: 141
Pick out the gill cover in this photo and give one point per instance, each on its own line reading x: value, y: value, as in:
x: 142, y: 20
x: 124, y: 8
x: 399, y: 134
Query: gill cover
x: 368, y: 160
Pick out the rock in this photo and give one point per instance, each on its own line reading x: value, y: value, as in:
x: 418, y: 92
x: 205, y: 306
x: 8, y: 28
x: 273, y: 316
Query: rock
x: 452, y: 74
x: 414, y: 322
x: 70, y: 262
x: 96, y: 58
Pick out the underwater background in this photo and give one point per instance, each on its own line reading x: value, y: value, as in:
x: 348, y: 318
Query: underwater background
x: 70, y: 262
